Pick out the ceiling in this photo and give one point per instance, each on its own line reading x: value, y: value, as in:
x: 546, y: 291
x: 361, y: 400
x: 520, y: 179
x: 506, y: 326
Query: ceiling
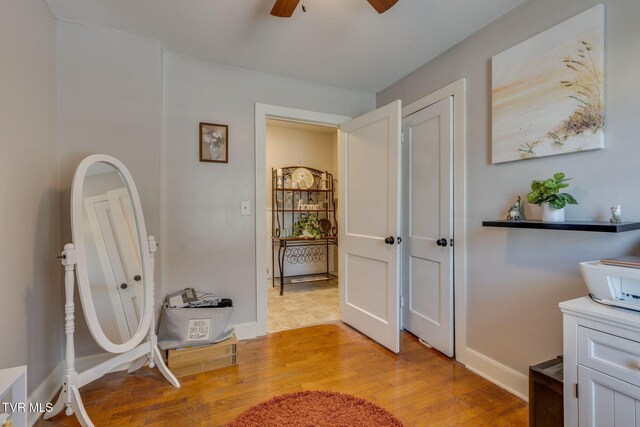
x: 340, y: 43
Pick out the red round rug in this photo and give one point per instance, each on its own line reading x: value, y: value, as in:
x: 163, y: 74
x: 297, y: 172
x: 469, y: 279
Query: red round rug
x: 316, y: 409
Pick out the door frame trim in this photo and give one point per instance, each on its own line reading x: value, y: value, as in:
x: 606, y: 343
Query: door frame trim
x: 457, y: 90
x: 262, y: 113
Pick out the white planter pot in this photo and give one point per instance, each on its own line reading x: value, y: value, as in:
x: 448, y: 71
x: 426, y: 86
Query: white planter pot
x: 551, y: 214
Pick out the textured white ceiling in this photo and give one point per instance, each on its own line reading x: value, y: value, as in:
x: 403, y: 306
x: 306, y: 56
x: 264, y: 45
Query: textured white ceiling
x: 341, y: 43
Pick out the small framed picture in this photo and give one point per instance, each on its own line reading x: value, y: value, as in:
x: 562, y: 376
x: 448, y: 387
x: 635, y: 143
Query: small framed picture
x: 214, y: 143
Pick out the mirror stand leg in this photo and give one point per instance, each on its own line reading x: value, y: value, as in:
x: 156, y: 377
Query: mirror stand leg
x: 139, y: 363
x: 59, y: 405
x: 153, y: 247
x: 78, y: 407
x: 163, y: 368
x: 155, y: 356
x: 69, y: 398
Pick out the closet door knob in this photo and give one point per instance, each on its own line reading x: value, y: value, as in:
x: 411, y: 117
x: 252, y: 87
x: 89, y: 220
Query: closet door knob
x: 389, y: 240
x: 441, y: 242
x: 124, y: 286
x: 137, y: 277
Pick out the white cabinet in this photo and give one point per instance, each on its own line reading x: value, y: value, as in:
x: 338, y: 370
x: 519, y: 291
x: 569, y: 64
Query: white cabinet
x: 606, y: 401
x: 601, y: 365
x: 13, y: 394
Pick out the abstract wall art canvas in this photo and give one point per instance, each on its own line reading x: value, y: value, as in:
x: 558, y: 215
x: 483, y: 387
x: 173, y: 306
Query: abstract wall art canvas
x: 548, y: 91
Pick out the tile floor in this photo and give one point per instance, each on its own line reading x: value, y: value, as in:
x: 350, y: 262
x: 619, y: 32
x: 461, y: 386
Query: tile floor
x: 303, y: 304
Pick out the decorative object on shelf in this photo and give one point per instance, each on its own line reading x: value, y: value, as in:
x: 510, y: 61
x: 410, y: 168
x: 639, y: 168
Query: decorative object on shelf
x: 551, y: 214
x: 516, y: 211
x: 325, y: 226
x: 303, y: 177
x: 307, y: 206
x: 288, y: 200
x: 547, y: 194
x: 323, y: 181
x: 214, y: 143
x: 548, y: 91
x: 307, y: 226
x: 616, y: 215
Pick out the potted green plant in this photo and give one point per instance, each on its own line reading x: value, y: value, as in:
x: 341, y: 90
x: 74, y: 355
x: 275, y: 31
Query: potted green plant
x: 548, y: 194
x: 307, y: 226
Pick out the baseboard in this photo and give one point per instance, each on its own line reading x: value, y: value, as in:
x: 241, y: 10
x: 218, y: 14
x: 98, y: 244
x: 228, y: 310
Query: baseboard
x: 509, y: 379
x: 246, y: 331
x: 46, y: 392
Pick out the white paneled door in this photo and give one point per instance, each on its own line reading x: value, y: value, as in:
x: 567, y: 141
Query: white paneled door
x: 427, y: 224
x: 369, y: 156
x: 113, y: 229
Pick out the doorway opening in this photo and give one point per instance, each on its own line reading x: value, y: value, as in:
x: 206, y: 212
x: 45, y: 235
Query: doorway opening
x: 263, y: 112
x: 302, y: 225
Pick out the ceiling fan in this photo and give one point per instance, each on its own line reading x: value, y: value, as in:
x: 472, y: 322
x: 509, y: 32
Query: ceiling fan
x: 285, y: 8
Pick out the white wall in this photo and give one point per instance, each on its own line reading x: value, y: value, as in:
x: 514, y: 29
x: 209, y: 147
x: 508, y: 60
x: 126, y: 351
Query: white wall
x: 207, y: 244
x: 110, y: 102
x: 30, y: 285
x: 516, y: 278
x: 290, y: 144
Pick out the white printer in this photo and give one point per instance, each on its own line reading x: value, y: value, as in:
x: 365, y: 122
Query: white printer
x: 614, y: 281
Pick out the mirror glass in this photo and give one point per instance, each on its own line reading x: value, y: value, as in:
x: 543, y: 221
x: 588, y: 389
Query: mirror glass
x: 112, y: 252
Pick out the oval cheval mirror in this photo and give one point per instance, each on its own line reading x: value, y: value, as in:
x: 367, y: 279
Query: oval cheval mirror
x: 109, y: 234
x: 112, y: 258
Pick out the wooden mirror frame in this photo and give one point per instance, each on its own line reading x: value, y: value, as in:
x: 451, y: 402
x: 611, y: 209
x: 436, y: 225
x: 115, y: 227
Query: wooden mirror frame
x: 84, y: 286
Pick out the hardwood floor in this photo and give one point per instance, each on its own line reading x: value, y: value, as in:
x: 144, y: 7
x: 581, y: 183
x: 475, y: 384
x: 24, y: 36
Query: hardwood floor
x: 420, y: 386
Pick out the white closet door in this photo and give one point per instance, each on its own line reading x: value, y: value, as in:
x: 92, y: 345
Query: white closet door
x: 428, y: 225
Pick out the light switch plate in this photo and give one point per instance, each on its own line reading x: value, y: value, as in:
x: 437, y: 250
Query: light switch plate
x: 245, y: 208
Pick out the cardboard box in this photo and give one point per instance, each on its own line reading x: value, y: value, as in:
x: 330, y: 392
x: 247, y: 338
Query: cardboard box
x: 189, y: 361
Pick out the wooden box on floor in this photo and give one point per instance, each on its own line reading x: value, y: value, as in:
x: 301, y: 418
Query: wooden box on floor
x: 189, y: 361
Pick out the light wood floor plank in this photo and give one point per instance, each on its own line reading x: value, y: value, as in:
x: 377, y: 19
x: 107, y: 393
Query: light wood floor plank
x: 420, y: 386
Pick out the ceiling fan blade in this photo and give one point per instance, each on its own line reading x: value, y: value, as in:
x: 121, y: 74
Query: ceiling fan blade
x: 381, y: 6
x: 284, y: 8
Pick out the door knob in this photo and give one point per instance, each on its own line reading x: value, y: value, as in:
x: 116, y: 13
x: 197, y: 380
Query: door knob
x: 441, y: 242
x: 137, y: 277
x: 124, y: 286
x: 389, y: 240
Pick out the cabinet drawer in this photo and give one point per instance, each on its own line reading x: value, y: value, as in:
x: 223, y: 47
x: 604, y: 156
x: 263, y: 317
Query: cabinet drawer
x: 609, y: 354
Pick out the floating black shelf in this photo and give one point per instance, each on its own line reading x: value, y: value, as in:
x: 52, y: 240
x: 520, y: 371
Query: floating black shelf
x: 598, y: 226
